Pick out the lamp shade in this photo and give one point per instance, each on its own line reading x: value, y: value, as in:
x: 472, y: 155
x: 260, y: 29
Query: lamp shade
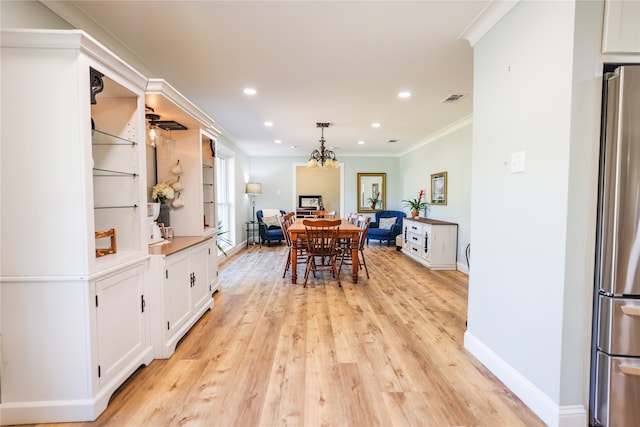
x: 253, y: 188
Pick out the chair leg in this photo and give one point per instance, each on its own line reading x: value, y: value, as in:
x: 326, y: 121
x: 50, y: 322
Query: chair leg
x: 287, y: 264
x: 364, y: 262
x: 306, y: 271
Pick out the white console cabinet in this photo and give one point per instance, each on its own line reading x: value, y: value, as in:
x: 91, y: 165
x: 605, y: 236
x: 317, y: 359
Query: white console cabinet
x: 431, y: 242
x: 72, y: 314
x: 182, y: 289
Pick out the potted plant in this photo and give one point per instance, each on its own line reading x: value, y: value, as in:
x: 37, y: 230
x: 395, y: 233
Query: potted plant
x: 163, y: 192
x: 221, y: 239
x: 416, y: 205
x: 374, y: 200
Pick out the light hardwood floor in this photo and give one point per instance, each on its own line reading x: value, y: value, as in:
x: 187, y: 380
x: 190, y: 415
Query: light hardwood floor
x: 385, y: 352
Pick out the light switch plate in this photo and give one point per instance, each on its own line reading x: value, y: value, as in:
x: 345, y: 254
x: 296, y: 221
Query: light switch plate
x: 518, y: 162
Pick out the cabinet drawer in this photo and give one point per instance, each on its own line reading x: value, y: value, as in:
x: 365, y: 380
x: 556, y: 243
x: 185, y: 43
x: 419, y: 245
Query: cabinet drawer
x: 414, y: 227
x: 416, y: 239
x: 415, y: 249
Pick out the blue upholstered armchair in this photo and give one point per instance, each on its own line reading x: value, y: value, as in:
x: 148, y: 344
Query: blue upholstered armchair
x: 387, y: 225
x: 270, y: 230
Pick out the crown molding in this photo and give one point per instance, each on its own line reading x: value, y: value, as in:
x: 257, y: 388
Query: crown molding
x: 490, y: 16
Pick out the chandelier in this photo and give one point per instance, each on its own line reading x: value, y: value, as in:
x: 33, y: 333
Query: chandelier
x: 322, y: 158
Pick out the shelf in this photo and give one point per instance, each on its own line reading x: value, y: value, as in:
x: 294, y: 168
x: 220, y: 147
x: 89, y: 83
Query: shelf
x: 112, y: 173
x: 116, y: 207
x: 103, y: 138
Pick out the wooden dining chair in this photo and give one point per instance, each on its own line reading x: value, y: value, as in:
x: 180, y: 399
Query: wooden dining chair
x: 345, y: 253
x: 322, y: 251
x: 300, y: 247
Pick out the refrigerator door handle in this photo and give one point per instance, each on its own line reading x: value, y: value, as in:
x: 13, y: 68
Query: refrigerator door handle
x: 630, y: 310
x: 630, y: 369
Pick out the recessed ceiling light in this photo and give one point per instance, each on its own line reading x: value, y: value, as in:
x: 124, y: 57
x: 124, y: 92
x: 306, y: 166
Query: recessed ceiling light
x: 277, y: 141
x: 375, y: 125
x: 250, y: 91
x: 268, y: 123
x: 404, y: 94
x: 361, y: 142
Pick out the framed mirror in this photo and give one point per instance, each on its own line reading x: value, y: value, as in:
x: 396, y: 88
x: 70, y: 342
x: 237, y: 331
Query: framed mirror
x: 371, y: 192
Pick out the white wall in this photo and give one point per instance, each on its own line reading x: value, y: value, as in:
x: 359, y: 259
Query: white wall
x: 29, y: 14
x: 449, y: 153
x: 276, y: 175
x: 371, y: 164
x: 532, y: 232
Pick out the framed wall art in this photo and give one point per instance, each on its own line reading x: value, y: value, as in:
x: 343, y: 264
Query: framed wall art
x: 439, y: 188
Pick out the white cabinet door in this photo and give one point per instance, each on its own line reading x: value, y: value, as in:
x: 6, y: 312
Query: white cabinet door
x: 440, y: 250
x: 213, y: 265
x: 177, y: 288
x: 621, y: 32
x: 427, y: 242
x: 200, y: 276
x: 119, y: 321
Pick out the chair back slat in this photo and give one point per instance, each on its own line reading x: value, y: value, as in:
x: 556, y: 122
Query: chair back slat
x: 322, y: 236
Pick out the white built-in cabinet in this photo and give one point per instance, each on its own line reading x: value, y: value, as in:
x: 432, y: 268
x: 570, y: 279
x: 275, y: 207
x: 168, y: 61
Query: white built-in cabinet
x: 184, y: 289
x: 431, y: 242
x: 74, y: 321
x: 621, y: 32
x: 209, y: 211
x: 193, y: 148
x: 183, y: 272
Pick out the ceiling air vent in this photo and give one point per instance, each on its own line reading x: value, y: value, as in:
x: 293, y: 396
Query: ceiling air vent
x: 454, y: 97
x: 392, y: 141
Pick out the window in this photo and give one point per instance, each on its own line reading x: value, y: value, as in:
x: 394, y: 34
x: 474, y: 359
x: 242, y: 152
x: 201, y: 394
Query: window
x: 225, y: 190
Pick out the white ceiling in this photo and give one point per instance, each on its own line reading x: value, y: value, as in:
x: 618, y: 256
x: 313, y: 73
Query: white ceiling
x: 342, y: 62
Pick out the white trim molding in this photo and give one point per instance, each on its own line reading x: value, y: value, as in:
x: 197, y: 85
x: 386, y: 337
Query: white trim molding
x: 542, y: 405
x: 490, y: 16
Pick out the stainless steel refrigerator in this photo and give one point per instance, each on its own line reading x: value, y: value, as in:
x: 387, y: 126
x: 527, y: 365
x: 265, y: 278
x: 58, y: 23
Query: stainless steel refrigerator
x: 615, y: 374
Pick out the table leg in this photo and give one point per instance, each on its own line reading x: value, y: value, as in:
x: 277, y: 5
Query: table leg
x: 354, y: 259
x: 294, y: 259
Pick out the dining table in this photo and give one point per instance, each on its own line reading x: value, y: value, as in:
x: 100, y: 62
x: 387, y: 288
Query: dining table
x: 347, y: 230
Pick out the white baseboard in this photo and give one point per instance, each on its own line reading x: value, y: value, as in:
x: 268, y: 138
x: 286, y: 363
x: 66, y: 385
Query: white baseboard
x: 542, y: 405
x: 462, y: 268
